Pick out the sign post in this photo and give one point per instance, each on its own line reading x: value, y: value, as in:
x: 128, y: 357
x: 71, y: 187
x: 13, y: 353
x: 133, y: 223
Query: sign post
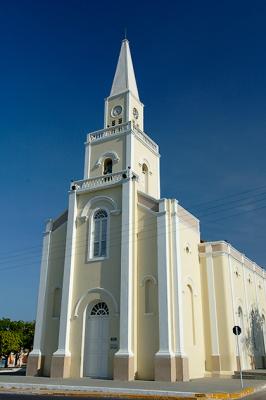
x: 237, y: 331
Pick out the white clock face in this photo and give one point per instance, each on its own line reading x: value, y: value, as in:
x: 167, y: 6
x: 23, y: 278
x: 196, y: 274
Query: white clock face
x: 117, y: 110
x: 135, y: 113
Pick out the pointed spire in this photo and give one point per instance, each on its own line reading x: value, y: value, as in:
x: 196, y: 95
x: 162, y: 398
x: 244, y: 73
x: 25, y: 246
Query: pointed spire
x: 124, y: 75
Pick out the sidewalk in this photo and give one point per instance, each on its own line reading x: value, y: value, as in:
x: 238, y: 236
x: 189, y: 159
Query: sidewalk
x: 204, y: 387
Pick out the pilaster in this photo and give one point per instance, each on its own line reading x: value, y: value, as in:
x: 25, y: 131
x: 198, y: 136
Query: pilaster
x: 60, y: 366
x: 164, y: 358
x: 182, y: 372
x: 124, y: 359
x: 87, y: 160
x: 215, y: 352
x: 34, y: 364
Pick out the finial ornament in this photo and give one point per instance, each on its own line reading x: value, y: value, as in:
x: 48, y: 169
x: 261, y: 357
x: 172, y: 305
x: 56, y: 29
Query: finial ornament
x: 125, y: 33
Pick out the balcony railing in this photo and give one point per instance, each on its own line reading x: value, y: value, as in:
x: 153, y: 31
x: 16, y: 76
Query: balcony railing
x: 100, y: 181
x: 104, y: 133
x: 120, y: 129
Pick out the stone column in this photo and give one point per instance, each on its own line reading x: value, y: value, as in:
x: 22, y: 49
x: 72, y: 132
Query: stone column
x: 34, y: 364
x: 164, y: 358
x: 182, y: 371
x: 60, y: 367
x: 215, y: 357
x: 124, y: 359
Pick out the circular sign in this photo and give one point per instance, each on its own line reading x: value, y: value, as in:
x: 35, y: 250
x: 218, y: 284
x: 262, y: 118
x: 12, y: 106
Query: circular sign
x: 236, y: 330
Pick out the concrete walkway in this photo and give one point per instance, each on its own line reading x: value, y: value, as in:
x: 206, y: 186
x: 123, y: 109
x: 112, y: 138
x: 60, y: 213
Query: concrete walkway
x: 138, y: 388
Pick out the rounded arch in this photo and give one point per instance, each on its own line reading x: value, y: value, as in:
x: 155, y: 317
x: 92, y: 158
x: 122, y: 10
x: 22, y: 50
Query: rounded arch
x: 148, y: 278
x: 109, y: 154
x: 109, y: 298
x: 144, y: 161
x: 100, y: 202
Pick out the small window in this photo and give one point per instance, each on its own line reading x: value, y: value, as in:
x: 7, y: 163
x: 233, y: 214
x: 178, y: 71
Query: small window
x: 144, y: 169
x: 113, y: 123
x: 99, y: 234
x: 120, y: 121
x: 107, y: 166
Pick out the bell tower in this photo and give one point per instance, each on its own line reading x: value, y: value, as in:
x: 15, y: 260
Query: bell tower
x: 123, y: 104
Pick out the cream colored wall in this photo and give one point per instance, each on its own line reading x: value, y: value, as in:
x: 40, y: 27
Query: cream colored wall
x: 142, y: 153
x: 232, y: 272
x: 224, y: 309
x: 134, y: 103
x: 147, y: 323
x: 54, y: 280
x: 94, y: 274
x: 191, y: 276
x: 99, y: 148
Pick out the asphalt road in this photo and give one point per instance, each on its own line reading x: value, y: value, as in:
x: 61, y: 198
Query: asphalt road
x: 257, y: 396
x: 9, y: 396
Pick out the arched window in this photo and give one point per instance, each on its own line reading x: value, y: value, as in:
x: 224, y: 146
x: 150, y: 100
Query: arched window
x: 108, y: 166
x: 100, y: 309
x: 99, y: 234
x: 148, y: 296
x: 145, y: 172
x: 57, y: 302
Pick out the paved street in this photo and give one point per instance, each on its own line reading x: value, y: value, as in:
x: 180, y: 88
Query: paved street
x: 4, y: 396
x: 257, y: 396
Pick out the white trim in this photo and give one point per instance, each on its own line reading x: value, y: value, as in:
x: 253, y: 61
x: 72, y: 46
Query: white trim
x: 177, y: 284
x: 40, y: 315
x: 67, y: 290
x: 164, y: 284
x: 90, y: 251
x: 87, y: 160
x: 108, y: 154
x: 86, y: 209
x: 99, y: 290
x: 127, y: 273
x: 212, y: 303
x: 148, y: 278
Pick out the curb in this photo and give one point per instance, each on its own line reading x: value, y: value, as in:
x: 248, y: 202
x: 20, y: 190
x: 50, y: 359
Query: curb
x: 121, y: 393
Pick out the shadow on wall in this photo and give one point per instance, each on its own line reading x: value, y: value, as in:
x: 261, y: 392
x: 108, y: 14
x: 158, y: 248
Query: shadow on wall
x: 255, y: 339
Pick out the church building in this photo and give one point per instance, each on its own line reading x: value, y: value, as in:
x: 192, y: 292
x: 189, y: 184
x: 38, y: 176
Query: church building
x: 128, y: 290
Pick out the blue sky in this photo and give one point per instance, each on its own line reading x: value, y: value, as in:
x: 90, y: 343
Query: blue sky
x: 201, y: 73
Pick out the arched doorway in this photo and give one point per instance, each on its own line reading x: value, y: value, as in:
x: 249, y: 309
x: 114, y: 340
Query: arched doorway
x: 96, y: 348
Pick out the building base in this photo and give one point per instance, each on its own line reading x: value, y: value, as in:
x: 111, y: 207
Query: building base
x: 216, y: 363
x: 182, y: 368
x: 164, y: 368
x: 34, y: 365
x: 124, y: 367
x: 60, y: 366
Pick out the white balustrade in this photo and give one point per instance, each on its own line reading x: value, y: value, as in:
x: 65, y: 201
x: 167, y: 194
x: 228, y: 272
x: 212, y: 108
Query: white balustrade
x: 120, y: 129
x: 100, y: 181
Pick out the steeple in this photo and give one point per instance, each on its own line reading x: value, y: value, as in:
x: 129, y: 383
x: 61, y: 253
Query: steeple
x: 124, y: 78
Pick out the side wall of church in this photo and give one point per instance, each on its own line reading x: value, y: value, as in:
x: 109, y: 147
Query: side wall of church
x: 95, y: 280
x: 53, y: 295
x: 240, y: 300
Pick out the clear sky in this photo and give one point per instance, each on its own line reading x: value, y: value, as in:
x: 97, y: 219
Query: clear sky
x: 201, y: 73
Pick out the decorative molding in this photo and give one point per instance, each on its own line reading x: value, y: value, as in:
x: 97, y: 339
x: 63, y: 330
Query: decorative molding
x: 112, y: 205
x: 148, y: 278
x: 96, y: 290
x: 109, y: 154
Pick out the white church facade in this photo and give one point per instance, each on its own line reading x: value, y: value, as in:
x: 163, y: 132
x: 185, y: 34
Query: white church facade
x: 127, y: 289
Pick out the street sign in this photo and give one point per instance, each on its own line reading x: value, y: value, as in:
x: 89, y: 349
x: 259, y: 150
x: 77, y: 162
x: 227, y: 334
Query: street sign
x: 236, y: 330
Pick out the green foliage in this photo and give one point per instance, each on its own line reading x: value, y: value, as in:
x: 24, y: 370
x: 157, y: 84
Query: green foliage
x: 9, y: 342
x: 15, y: 335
